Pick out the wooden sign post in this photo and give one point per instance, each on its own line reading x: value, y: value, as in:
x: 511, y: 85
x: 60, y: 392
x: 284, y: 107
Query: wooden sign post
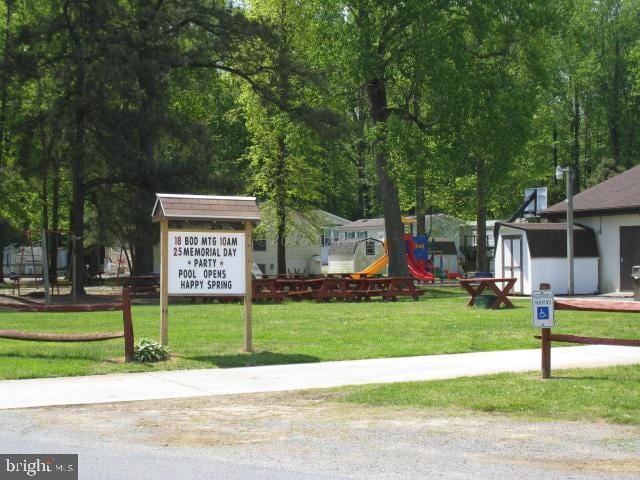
x: 206, y: 251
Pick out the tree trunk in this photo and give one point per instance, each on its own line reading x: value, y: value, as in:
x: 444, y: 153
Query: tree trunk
x: 421, y: 212
x: 394, y: 230
x: 143, y: 257
x: 363, y: 186
x: 143, y: 237
x: 78, y: 147
x: 78, y: 178
x: 55, y: 221
x: 281, y: 207
x: 4, y: 94
x: 4, y: 105
x: 482, y: 260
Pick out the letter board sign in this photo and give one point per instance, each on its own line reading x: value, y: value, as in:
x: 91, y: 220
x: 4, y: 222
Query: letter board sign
x: 206, y: 263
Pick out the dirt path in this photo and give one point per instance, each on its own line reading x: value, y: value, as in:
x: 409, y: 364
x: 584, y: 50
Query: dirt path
x: 311, y: 435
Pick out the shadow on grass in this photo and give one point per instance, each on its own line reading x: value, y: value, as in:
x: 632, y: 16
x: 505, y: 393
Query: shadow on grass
x: 52, y: 356
x: 253, y: 359
x: 444, y: 292
x: 609, y: 378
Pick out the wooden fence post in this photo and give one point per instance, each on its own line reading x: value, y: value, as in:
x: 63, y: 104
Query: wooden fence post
x: 164, y: 282
x: 546, y: 343
x: 546, y: 353
x: 128, y: 325
x: 248, y: 296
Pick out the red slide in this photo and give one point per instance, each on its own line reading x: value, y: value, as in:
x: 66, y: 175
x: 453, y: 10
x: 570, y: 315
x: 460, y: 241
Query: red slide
x: 416, y: 270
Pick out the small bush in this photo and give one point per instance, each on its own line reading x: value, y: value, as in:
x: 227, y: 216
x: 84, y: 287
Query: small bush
x: 148, y: 350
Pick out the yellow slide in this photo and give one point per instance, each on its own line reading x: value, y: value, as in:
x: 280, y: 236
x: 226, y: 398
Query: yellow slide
x: 374, y: 268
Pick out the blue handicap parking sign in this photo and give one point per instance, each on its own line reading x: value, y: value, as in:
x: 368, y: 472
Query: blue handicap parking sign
x: 543, y: 313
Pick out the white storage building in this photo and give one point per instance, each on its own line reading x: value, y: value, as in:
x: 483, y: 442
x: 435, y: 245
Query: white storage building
x: 536, y: 253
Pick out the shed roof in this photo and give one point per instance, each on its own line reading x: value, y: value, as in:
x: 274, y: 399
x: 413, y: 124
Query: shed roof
x: 549, y: 240
x: 378, y: 223
x: 364, y: 223
x: 331, y: 219
x: 620, y: 194
x: 204, y: 207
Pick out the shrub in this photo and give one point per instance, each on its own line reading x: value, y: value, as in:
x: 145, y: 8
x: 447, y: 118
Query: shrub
x: 148, y: 350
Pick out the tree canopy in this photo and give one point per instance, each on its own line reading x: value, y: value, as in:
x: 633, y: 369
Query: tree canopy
x: 360, y: 107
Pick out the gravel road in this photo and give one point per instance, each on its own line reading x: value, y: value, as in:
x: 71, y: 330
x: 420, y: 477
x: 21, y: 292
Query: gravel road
x: 311, y: 436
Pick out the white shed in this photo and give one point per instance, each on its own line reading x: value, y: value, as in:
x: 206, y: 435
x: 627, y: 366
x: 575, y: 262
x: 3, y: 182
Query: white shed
x: 536, y: 253
x: 351, y: 256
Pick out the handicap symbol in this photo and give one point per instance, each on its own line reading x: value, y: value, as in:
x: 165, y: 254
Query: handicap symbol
x: 543, y: 313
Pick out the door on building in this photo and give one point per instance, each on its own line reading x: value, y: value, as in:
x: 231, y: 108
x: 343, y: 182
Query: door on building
x: 629, y: 255
x: 512, y: 260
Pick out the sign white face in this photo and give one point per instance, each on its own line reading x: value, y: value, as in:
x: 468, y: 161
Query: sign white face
x: 542, y: 304
x: 206, y: 263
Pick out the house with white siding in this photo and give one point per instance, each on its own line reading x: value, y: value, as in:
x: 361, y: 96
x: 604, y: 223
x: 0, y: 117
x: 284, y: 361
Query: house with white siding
x: 612, y: 210
x: 307, y: 246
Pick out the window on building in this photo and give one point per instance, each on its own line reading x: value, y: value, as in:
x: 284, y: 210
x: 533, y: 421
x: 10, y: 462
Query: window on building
x: 362, y: 235
x: 351, y: 235
x: 259, y: 245
x: 370, y: 248
x: 326, y: 237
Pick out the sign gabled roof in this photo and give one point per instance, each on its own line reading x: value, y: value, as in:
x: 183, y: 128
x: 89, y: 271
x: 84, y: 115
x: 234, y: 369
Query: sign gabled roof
x: 204, y: 207
x: 620, y: 194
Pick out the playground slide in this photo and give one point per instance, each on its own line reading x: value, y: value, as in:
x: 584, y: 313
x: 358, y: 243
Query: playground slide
x: 417, y: 271
x: 374, y: 268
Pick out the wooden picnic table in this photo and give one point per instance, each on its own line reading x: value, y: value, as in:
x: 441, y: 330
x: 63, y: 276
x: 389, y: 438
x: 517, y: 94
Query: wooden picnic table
x: 401, y: 287
x: 143, y: 283
x: 303, y: 289
x: 290, y: 284
x: 368, y: 287
x: 475, y: 286
x: 266, y: 289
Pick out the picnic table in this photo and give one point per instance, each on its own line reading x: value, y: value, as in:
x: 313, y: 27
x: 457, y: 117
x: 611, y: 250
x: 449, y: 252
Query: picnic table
x: 143, y: 283
x: 475, y: 286
x: 266, y: 289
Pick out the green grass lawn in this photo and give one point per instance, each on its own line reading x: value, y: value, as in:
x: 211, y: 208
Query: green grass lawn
x: 601, y: 394
x: 207, y: 335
